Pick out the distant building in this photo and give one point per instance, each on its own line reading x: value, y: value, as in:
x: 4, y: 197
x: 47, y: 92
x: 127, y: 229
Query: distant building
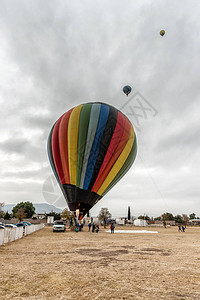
x: 50, y: 219
x: 120, y: 221
x: 194, y: 222
x: 39, y: 216
x: 140, y: 222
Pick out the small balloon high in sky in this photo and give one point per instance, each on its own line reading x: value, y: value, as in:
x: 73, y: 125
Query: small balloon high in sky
x: 162, y: 32
x: 127, y: 89
x: 90, y: 148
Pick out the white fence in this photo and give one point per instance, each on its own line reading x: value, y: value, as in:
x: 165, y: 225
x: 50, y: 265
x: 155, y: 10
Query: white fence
x: 12, y: 234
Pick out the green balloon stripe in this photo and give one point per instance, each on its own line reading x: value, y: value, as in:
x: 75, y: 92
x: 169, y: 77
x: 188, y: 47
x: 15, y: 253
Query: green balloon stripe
x: 82, y: 137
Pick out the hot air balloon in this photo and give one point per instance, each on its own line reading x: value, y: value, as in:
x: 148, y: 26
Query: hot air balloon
x: 90, y: 148
x: 162, y: 32
x: 127, y: 89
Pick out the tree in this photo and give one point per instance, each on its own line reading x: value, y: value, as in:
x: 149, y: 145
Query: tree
x: 157, y: 219
x: 7, y: 216
x: 185, y: 219
x: 104, y: 215
x: 66, y: 214
x: 57, y: 216
x: 1, y: 210
x: 164, y: 220
x: 168, y: 216
x: 145, y: 217
x: 129, y: 213
x: 192, y: 216
x: 178, y: 219
x: 28, y: 208
x: 20, y: 214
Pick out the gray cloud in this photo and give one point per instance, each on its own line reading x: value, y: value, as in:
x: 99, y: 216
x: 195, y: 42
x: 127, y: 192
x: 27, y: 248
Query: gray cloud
x: 14, y: 145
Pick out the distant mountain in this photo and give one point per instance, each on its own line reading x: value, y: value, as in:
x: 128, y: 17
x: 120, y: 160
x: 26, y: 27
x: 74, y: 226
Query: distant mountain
x: 39, y: 208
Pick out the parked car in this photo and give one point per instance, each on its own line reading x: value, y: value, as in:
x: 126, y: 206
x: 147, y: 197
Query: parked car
x: 21, y: 225
x: 10, y: 226
x: 59, y: 226
x: 27, y: 223
x: 2, y: 227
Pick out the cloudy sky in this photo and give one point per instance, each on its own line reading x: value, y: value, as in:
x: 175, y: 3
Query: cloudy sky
x: 58, y: 54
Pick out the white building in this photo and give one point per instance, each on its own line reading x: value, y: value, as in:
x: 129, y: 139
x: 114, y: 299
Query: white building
x: 120, y: 221
x: 140, y: 222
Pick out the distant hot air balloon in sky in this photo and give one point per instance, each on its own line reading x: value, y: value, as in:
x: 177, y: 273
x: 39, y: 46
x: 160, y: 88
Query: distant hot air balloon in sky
x: 162, y: 32
x: 90, y: 148
x: 127, y: 89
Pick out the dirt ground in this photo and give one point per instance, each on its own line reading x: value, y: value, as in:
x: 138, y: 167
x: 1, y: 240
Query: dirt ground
x: 86, y: 265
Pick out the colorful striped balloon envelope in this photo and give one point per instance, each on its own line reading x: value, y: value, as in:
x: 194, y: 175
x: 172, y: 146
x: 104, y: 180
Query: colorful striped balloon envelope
x: 90, y: 148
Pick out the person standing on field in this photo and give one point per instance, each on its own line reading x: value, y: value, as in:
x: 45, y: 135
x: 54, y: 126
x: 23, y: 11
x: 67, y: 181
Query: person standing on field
x: 112, y: 227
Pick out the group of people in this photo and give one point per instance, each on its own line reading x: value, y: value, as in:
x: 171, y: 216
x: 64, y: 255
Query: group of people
x: 181, y: 228
x: 79, y: 227
x: 95, y: 227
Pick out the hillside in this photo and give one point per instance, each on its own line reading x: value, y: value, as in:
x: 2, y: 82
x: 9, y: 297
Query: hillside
x: 39, y: 208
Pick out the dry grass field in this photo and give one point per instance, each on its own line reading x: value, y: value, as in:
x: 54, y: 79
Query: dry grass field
x: 85, y: 265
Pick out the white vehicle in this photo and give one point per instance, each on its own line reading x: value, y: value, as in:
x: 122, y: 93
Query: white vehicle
x: 58, y: 226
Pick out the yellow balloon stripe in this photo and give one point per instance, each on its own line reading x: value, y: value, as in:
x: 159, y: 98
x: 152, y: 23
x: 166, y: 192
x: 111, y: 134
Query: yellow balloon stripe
x: 118, y: 164
x: 73, y: 142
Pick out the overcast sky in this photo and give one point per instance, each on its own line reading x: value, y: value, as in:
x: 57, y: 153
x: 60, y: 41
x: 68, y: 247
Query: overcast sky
x: 58, y: 54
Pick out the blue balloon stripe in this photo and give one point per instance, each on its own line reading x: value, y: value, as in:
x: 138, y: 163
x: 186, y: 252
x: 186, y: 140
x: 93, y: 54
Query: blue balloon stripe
x: 103, y: 117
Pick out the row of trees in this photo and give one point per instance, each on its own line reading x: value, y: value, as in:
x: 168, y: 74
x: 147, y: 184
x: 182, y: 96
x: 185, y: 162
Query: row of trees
x: 169, y: 217
x: 104, y: 214
x: 27, y: 210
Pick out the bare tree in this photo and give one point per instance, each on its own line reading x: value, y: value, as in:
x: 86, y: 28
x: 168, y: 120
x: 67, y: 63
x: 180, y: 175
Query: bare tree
x: 20, y: 214
x: 67, y: 215
x: 104, y: 215
x: 185, y: 219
